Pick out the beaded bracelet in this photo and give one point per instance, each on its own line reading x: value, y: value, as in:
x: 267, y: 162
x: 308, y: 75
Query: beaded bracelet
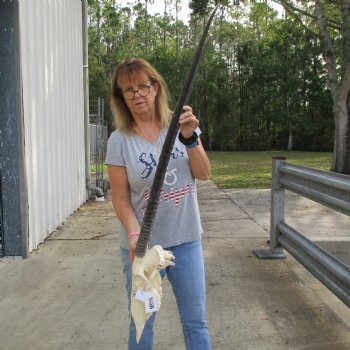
x: 134, y: 233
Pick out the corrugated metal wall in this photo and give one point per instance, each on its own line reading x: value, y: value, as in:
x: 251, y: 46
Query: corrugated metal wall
x: 53, y: 109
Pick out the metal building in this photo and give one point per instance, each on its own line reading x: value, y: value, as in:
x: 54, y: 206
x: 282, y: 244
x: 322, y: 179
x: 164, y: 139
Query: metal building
x: 43, y: 99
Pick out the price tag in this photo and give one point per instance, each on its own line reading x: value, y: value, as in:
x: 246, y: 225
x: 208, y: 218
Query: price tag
x: 149, y: 298
x: 140, y: 295
x: 151, y: 304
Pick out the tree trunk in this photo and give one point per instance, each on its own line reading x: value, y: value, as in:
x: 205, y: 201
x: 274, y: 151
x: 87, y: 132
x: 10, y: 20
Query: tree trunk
x: 339, y: 87
x: 290, y: 139
x: 146, y: 26
x: 177, y: 27
x: 341, y: 154
x: 164, y: 29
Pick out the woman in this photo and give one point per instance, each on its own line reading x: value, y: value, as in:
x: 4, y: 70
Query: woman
x: 139, y: 102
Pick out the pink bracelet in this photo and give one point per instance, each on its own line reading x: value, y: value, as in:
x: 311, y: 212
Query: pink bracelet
x: 134, y: 233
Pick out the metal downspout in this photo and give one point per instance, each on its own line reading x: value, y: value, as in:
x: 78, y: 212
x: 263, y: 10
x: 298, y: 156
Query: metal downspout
x: 24, y: 206
x: 90, y: 189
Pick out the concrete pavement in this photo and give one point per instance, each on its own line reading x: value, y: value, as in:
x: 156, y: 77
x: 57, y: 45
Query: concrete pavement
x: 69, y: 295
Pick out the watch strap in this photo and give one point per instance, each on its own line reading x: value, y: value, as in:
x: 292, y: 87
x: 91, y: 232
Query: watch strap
x: 188, y: 141
x: 193, y: 145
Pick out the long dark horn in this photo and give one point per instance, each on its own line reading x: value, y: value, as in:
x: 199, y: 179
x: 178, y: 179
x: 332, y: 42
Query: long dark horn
x: 150, y: 213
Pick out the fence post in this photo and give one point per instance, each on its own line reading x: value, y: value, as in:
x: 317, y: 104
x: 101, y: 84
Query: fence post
x: 275, y: 250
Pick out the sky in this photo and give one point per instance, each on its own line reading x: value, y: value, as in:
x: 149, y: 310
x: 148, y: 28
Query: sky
x: 158, y: 7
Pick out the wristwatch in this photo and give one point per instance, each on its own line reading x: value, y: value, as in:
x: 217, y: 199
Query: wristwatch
x: 192, y: 141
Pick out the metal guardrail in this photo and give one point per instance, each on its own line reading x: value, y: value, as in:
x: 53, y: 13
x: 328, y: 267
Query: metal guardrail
x: 327, y: 188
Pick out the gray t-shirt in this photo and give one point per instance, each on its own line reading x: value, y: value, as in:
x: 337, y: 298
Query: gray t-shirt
x: 177, y: 219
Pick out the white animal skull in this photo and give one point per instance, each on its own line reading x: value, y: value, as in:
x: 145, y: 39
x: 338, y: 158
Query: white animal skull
x: 146, y: 277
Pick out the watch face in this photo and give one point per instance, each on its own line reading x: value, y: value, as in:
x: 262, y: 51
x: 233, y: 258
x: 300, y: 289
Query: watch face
x: 197, y: 131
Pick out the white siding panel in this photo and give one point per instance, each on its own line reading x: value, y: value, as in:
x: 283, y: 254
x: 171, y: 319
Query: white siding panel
x: 53, y: 109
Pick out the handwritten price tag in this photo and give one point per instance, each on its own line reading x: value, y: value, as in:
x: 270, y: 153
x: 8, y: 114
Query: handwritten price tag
x: 149, y: 298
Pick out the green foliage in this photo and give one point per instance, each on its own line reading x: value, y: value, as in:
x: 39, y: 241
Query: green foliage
x: 253, y: 169
x: 198, y: 6
x: 261, y: 80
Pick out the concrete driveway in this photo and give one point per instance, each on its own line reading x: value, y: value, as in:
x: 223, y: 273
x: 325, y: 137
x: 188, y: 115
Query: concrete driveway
x: 70, y: 295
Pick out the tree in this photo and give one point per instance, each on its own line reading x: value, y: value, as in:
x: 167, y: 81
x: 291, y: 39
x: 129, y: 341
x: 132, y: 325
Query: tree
x: 333, y: 24
x: 261, y: 79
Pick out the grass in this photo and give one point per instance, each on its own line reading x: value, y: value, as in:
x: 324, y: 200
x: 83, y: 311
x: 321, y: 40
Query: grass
x: 253, y: 169
x: 102, y: 167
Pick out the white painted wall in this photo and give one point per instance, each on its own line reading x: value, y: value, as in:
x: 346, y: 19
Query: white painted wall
x: 53, y: 109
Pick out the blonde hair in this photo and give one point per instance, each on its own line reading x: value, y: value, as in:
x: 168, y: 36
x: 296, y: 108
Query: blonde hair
x: 126, y: 70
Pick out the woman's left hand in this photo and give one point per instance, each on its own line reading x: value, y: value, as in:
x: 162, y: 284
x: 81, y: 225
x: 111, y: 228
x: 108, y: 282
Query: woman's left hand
x: 188, y: 122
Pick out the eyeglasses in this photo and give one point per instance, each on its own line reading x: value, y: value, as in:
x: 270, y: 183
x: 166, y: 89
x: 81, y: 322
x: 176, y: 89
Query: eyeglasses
x: 142, y: 91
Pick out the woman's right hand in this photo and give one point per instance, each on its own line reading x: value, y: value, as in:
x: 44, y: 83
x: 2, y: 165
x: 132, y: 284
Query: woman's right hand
x: 132, y: 246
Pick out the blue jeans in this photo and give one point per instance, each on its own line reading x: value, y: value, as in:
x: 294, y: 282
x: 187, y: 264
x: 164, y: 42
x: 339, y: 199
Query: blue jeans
x: 188, y: 283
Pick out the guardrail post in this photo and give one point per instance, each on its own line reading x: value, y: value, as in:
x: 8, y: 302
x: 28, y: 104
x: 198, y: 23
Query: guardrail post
x: 275, y: 250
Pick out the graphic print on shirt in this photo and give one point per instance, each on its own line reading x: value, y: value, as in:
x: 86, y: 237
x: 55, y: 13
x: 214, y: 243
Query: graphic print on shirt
x: 172, y: 176
x: 149, y: 162
x: 173, y: 194
x: 177, y: 153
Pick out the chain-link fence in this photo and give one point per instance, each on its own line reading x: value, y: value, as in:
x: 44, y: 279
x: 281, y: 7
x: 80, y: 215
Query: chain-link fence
x: 98, y: 144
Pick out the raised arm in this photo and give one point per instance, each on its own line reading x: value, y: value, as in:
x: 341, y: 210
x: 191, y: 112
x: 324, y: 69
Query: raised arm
x: 200, y: 164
